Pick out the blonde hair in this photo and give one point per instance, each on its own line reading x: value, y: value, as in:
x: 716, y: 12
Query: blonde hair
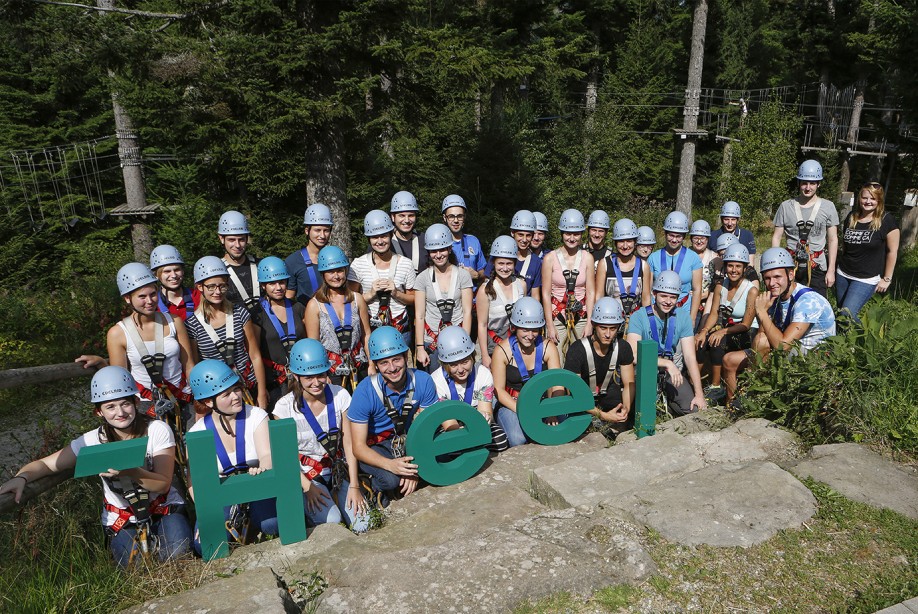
x: 875, y: 190
x: 207, y: 308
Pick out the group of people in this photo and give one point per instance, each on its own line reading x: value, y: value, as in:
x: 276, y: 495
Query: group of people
x: 353, y: 350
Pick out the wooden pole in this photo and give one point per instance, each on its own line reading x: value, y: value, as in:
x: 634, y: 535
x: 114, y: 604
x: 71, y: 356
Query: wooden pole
x: 26, y: 376
x: 692, y: 99
x: 33, y: 489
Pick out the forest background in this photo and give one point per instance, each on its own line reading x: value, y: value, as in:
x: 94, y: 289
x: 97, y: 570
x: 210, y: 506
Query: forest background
x: 266, y: 106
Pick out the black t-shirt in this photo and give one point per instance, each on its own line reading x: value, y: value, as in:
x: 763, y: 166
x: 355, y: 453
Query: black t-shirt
x: 406, y: 248
x: 576, y: 361
x: 864, y: 253
x: 244, y: 272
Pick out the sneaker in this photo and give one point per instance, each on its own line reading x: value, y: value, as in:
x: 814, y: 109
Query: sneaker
x: 715, y: 393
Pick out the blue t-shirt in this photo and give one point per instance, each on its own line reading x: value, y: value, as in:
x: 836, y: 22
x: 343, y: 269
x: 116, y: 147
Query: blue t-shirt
x: 302, y: 275
x: 813, y: 309
x: 368, y: 408
x: 661, y: 261
x: 468, y: 252
x: 639, y: 324
x: 532, y: 276
x: 744, y: 236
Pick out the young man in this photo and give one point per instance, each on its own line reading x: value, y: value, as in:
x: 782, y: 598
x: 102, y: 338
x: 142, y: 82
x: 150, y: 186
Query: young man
x: 671, y: 328
x: 685, y: 262
x: 467, y: 247
x: 381, y: 412
x: 787, y: 312
x: 407, y: 241
x: 606, y: 364
x: 528, y: 266
x: 810, y: 224
x: 597, y: 229
x: 730, y: 215
x: 244, y: 289
x: 301, y: 264
x: 538, y: 246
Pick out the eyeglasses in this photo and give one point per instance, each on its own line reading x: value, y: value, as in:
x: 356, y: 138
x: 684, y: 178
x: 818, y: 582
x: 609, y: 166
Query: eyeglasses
x: 455, y: 217
x: 216, y: 287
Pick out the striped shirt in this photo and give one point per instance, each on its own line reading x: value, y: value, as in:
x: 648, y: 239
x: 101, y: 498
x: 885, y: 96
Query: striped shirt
x: 207, y: 348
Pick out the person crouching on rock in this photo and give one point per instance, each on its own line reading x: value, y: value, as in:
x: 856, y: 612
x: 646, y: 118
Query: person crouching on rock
x: 381, y: 412
x: 240, y: 434
x: 329, y: 468
x: 141, y: 511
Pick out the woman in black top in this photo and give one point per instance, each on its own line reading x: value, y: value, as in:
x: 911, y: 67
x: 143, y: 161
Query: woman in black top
x: 870, y: 242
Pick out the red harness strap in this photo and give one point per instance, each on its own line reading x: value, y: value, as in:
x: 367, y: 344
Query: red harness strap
x: 378, y: 438
x: 494, y: 337
x: 433, y: 335
x: 558, y: 307
x: 400, y: 324
x: 158, y: 507
x: 682, y: 301
x: 513, y: 393
x: 337, y: 360
x: 280, y: 371
x: 315, y: 467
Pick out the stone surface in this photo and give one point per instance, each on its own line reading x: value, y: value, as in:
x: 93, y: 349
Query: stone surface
x: 493, y: 570
x: 277, y: 556
x: 604, y: 474
x: 722, y: 505
x: 705, y: 420
x: 863, y: 475
x: 256, y: 592
x: 906, y: 607
x: 747, y: 440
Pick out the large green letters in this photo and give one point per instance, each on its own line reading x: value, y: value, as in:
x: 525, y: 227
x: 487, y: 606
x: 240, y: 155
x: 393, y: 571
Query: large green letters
x: 211, y: 493
x: 531, y: 408
x: 645, y: 422
x: 117, y: 455
x: 425, y: 447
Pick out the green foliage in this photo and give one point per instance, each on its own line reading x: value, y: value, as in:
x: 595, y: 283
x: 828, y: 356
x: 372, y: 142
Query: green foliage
x: 856, y: 386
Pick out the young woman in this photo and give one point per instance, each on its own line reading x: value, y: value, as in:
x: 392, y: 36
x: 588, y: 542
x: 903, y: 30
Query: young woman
x: 461, y: 379
x: 570, y: 272
x: 699, y: 238
x: 279, y: 322
x: 338, y: 317
x: 623, y: 275
x: 221, y: 331
x: 385, y: 279
x: 685, y: 262
x: 113, y: 393
x: 326, y: 457
x: 729, y: 325
x: 646, y: 242
x: 240, y: 434
x: 167, y: 264
x: 516, y: 359
x: 497, y: 296
x: 154, y: 346
x: 442, y: 297
x: 537, y: 245
x: 870, y: 243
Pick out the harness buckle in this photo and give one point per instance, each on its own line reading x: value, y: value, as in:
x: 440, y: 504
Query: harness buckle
x: 628, y: 301
x: 398, y: 446
x: 570, y: 278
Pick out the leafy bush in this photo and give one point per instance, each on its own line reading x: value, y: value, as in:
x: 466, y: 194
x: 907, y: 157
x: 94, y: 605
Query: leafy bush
x: 857, y: 386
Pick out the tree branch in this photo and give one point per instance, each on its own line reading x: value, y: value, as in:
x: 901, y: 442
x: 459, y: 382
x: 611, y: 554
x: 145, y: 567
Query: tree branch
x: 114, y: 10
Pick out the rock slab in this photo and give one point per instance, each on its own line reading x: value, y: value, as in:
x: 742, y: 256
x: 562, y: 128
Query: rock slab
x: 863, y: 475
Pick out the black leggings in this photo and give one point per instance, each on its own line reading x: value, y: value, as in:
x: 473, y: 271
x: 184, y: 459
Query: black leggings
x: 730, y: 343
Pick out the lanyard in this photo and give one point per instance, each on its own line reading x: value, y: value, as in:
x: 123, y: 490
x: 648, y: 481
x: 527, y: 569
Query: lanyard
x: 777, y: 314
x: 676, y: 264
x: 222, y: 455
x: 635, y: 274
x: 291, y: 326
x: 667, y: 349
x: 310, y: 270
x: 469, y: 387
x: 186, y: 296
x: 518, y: 357
x: 320, y: 434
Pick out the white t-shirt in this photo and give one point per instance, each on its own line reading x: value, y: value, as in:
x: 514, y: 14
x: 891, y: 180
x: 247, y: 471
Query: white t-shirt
x: 172, y: 366
x: 159, y: 437
x: 482, y: 392
x: 307, y: 443
x: 459, y: 281
x: 400, y: 271
x: 253, y: 417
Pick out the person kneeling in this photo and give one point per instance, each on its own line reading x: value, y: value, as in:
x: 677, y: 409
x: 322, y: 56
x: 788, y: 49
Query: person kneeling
x: 606, y: 364
x: 671, y: 329
x: 381, y: 412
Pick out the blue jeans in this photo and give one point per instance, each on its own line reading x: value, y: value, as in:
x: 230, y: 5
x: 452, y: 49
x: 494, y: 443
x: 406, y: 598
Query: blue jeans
x: 337, y: 511
x: 852, y: 295
x: 383, y: 481
x: 510, y: 422
x: 262, y: 518
x: 434, y: 363
x: 171, y: 534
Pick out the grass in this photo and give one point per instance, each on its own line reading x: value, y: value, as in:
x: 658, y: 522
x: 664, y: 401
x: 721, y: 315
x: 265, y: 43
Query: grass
x: 849, y: 557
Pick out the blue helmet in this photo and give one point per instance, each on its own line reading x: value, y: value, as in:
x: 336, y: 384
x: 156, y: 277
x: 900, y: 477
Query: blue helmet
x: 810, y: 170
x: 163, y: 255
x: 607, y: 311
x: 454, y: 344
x: 646, y: 236
x: 725, y: 240
x: 110, y: 383
x: 700, y: 228
x: 624, y: 229
x: 571, y: 221
x: 210, y: 377
x: 133, y: 275
x: 207, y: 267
x: 386, y: 341
x: 523, y: 220
x: 271, y: 269
x: 404, y: 202
x: 332, y: 257
x: 438, y: 236
x: 541, y: 221
x: 504, y: 247
x: 453, y: 200
x: 318, y: 215
x: 233, y: 223
x: 676, y: 222
x: 598, y: 219
x: 527, y: 313
x: 308, y: 357
x: 376, y: 223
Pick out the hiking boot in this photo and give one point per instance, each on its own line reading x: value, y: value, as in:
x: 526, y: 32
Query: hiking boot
x: 715, y: 394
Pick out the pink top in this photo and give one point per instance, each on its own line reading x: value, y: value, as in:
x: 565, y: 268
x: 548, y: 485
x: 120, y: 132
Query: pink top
x: 559, y: 284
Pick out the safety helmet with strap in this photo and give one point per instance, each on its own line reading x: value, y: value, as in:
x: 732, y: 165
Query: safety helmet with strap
x: 271, y: 269
x: 332, y: 257
x: 163, y: 255
x: 233, y: 223
x: 737, y: 253
x: 777, y: 258
x: 207, y: 267
x: 404, y: 202
x: 110, y: 383
x: 527, y: 313
x: 726, y: 240
x: 438, y: 236
x: 810, y: 170
x: 624, y: 229
x: 730, y: 208
x: 386, y: 341
x: 453, y: 200
x: 523, y: 220
x: 571, y: 221
x: 607, y: 312
x: 646, y: 236
x: 308, y: 357
x: 700, y: 228
x: 318, y: 214
x: 598, y: 219
x: 377, y: 222
x: 677, y: 222
x: 210, y: 377
x: 504, y: 247
x: 669, y: 282
x: 454, y: 344
x: 541, y: 221
x: 133, y: 275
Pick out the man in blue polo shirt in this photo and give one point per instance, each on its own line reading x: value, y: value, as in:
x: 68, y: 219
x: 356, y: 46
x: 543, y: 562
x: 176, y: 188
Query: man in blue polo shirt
x: 305, y: 278
x: 381, y: 412
x: 466, y: 247
x: 676, y: 257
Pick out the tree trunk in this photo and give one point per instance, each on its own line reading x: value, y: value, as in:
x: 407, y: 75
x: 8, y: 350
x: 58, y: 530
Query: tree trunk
x: 692, y: 96
x: 326, y: 180
x: 592, y: 94
x: 852, y: 136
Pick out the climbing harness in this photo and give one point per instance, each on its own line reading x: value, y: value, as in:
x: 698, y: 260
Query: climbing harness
x: 415, y: 250
x: 186, y: 297
x: 310, y: 271
x: 239, y: 521
x: 806, y: 260
x: 400, y: 416
x: 330, y: 441
x: 445, y: 305
x: 345, y: 363
x: 384, y: 314
x: 777, y: 314
x: 227, y: 349
x: 249, y: 300
x: 521, y: 366
x: 569, y: 310
x: 286, y: 333
x: 599, y: 391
